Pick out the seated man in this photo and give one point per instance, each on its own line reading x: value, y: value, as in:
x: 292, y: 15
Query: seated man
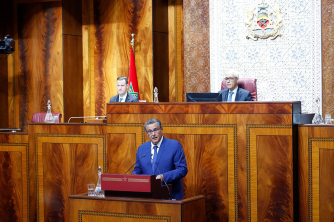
x: 123, y: 95
x: 166, y: 156
x: 233, y: 92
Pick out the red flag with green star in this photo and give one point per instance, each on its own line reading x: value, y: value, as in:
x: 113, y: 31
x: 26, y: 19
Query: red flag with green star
x: 133, y: 82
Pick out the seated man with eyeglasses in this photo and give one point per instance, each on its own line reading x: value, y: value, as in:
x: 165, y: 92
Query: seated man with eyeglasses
x: 233, y: 92
x: 164, y: 155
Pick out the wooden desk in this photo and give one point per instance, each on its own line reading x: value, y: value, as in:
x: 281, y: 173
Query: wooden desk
x: 63, y: 159
x: 239, y: 155
x: 109, y: 209
x: 14, y: 180
x: 316, y: 172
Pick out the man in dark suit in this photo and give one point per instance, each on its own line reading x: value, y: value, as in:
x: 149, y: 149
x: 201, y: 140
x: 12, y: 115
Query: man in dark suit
x: 123, y: 95
x: 233, y: 92
x: 162, y: 153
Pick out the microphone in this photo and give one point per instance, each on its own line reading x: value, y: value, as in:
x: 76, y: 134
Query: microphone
x: 135, y: 163
x: 164, y: 181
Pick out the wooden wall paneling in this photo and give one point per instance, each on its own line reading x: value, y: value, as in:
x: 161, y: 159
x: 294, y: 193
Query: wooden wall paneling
x: 114, y: 21
x: 88, y: 57
x: 65, y: 159
x: 14, y: 185
x: 4, y: 93
x: 7, y: 19
x: 40, y: 39
x: 34, y: 1
x: 161, y: 49
x: 175, y: 42
x: 160, y: 65
x: 73, y: 78
x: 6, y: 66
x: 11, y: 91
x: 73, y: 59
x: 72, y: 17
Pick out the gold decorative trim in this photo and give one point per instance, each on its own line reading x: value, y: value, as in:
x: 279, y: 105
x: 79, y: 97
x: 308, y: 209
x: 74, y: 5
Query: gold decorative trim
x: 136, y: 216
x: 310, y: 177
x: 248, y: 128
x: 28, y: 182
x: 37, y: 135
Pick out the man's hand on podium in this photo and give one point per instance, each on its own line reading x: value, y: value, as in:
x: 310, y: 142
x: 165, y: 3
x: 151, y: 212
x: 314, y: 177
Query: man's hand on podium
x: 161, y: 177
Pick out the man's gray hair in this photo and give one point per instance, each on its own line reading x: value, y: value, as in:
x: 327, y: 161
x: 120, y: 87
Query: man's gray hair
x: 235, y: 73
x: 151, y: 121
x: 123, y: 78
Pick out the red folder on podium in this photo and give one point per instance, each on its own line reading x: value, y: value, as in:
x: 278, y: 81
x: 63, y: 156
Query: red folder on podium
x: 143, y: 186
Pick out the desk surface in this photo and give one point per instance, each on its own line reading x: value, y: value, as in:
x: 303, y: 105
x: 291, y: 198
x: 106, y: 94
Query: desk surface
x: 142, y: 200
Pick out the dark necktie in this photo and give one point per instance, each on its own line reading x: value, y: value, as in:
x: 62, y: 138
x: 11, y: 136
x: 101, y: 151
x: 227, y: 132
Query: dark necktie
x: 120, y: 99
x: 230, y: 96
x: 154, y: 158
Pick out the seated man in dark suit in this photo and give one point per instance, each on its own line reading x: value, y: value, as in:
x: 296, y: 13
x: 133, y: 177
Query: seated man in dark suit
x: 164, y: 155
x: 123, y: 95
x: 234, y: 93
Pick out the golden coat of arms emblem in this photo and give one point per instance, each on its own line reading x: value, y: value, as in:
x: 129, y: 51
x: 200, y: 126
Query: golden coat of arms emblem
x: 264, y: 21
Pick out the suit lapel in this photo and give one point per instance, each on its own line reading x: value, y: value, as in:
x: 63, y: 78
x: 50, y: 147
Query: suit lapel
x: 117, y: 99
x: 127, y: 97
x: 225, y: 96
x: 237, y: 96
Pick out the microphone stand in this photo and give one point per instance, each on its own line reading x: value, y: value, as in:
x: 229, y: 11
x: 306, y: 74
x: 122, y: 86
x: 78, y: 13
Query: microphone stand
x: 135, y: 163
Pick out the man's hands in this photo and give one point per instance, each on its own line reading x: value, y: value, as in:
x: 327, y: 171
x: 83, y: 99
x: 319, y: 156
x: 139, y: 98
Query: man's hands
x: 161, y: 177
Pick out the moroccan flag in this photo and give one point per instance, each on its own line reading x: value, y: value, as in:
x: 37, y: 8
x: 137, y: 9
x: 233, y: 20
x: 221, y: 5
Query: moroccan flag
x: 133, y: 82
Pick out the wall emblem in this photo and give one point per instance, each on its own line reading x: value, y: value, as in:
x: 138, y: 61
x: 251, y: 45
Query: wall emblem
x: 264, y: 21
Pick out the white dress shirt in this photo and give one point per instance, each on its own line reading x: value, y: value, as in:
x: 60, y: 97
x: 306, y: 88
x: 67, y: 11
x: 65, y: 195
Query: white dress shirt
x: 233, y: 95
x: 152, y: 149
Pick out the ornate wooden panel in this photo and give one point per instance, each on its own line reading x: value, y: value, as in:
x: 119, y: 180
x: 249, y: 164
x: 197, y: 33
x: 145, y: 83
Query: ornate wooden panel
x: 316, y: 149
x: 39, y: 39
x: 14, y: 178
x: 65, y: 159
x: 269, y: 173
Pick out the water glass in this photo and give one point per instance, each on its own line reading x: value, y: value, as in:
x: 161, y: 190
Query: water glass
x: 56, y: 118
x: 328, y: 119
x: 91, y: 189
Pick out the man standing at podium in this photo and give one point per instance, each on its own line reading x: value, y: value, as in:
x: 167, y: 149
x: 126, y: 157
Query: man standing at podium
x: 233, y: 92
x: 164, y: 155
x: 123, y: 95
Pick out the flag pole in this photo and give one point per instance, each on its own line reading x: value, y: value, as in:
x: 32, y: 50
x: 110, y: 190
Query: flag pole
x: 133, y: 42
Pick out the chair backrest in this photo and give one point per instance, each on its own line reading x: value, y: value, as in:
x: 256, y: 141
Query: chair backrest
x: 40, y: 117
x: 248, y: 84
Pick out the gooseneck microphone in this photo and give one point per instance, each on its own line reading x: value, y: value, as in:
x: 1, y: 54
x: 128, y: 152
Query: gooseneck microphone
x: 135, y: 163
x: 164, y: 182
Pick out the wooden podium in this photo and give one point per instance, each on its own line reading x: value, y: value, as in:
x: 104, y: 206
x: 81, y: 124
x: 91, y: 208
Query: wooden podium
x: 144, y: 186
